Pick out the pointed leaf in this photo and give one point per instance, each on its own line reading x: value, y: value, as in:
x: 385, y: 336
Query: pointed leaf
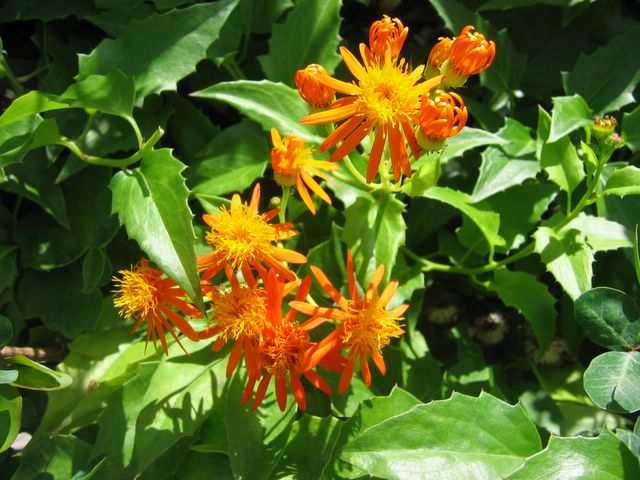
x: 562, y: 164
x: 624, y: 181
x: 468, y: 139
x: 35, y: 376
x: 499, y: 172
x: 111, y: 93
x: 569, y: 114
x: 30, y: 104
x: 151, y: 202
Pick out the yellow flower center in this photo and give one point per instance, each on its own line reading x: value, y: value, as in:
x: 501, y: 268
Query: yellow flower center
x: 285, y: 349
x: 243, y: 237
x: 369, y: 326
x: 136, y: 292
x: 389, y: 94
x: 239, y: 311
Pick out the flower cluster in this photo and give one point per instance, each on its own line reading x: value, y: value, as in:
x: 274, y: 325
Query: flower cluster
x: 404, y: 110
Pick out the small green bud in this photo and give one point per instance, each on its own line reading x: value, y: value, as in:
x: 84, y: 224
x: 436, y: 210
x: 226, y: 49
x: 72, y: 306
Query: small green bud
x: 602, y: 127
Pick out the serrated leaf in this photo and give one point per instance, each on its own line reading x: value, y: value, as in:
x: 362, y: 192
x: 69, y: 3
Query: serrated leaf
x: 568, y: 257
x: 35, y: 376
x: 609, y: 318
x: 624, y: 181
x: 562, y: 164
x: 631, y: 129
x: 315, y: 25
x: 468, y: 139
x: 488, y: 222
x: 612, y: 381
x: 462, y: 437
x: 45, y: 133
x: 374, y: 231
x: 499, y: 172
x: 569, y: 113
x: 151, y: 202
x: 530, y: 297
x: 602, y: 234
x: 267, y: 103
x: 606, y: 78
x: 10, y: 412
x: 161, y: 49
x: 111, y: 93
x: 600, y: 458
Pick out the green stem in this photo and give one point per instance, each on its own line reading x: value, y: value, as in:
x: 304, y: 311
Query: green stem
x: 136, y: 129
x: 357, y: 175
x: 17, y: 86
x: 111, y: 162
x: 282, y: 214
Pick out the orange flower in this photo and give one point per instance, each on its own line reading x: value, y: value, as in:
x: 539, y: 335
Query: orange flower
x: 243, y: 239
x: 471, y: 53
x: 142, y: 293
x: 387, y: 34
x: 284, y: 350
x: 439, y: 53
x: 364, y: 324
x: 293, y: 165
x: 310, y: 89
x: 384, y: 100
x: 441, y: 117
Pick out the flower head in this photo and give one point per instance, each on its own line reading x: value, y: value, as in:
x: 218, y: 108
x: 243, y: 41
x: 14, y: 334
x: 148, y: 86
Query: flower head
x: 365, y: 325
x: 384, y: 100
x: 144, y: 293
x: 284, y: 350
x: 243, y: 238
x: 387, y: 34
x: 471, y: 53
x: 438, y: 55
x: 310, y: 89
x: 441, y: 117
x: 292, y: 165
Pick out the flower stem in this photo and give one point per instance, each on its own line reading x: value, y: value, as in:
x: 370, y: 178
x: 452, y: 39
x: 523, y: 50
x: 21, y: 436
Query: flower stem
x: 15, y: 84
x: 282, y: 214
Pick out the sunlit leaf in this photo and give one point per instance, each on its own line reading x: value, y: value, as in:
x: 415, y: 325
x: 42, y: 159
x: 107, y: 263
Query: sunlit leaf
x: 612, y: 380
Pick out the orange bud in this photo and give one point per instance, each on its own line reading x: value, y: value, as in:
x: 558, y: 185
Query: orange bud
x: 439, y: 53
x: 387, y: 34
x: 443, y: 116
x: 471, y: 53
x: 310, y: 89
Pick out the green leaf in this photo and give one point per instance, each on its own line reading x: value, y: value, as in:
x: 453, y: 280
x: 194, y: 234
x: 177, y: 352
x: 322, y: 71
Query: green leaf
x: 45, y: 133
x: 569, y: 114
x: 600, y: 458
x: 58, y: 457
x: 30, y: 104
x: 499, y: 172
x: 267, y: 103
x: 530, y: 297
x: 94, y: 266
x: 374, y: 231
x: 462, y: 437
x: 488, y: 222
x: 56, y: 298
x: 609, y: 318
x: 8, y: 376
x: 468, y: 139
x: 231, y: 162
x: 370, y: 413
x: 602, y: 234
x: 151, y: 201
x: 161, y: 49
x: 315, y: 25
x: 607, y: 77
x: 511, y: 4
x: 426, y: 176
x: 111, y: 93
x: 518, y: 137
x: 624, y: 181
x: 568, y: 257
x: 6, y: 331
x: 590, y: 159
x: 612, y: 380
x: 35, y: 376
x: 631, y: 129
x: 562, y: 164
x: 10, y: 412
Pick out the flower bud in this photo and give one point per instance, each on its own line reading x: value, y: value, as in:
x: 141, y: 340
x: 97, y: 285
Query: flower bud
x: 440, y: 117
x: 387, y: 34
x: 438, y: 55
x: 602, y: 127
x: 311, y: 90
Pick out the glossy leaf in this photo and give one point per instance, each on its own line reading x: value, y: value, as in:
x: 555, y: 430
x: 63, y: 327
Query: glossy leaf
x: 29, y: 104
x: 606, y: 78
x: 499, y: 172
x: 568, y: 257
x: 374, y: 231
x: 462, y: 437
x: 10, y: 412
x: 569, y: 113
x: 35, y: 376
x: 161, y: 49
x: 625, y: 181
x: 267, y: 103
x: 529, y: 296
x: 631, y: 129
x: 518, y: 137
x: 316, y: 24
x: 609, y: 317
x: 612, y: 380
x: 602, y: 234
x: 151, y: 201
x: 111, y: 93
x: 468, y: 139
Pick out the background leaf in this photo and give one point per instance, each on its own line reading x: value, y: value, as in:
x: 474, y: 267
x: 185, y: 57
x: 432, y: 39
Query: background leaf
x: 10, y: 412
x: 35, y: 376
x: 569, y: 113
x: 612, y: 381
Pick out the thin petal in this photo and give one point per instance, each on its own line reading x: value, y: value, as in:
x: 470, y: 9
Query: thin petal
x: 338, y: 85
x: 316, y: 311
x: 398, y: 152
x: 328, y: 287
x: 353, y: 64
x: 352, y: 141
x: 298, y: 391
x: 376, y: 154
x: 234, y: 357
x: 287, y: 255
x: 281, y: 392
x: 388, y: 292
x: 364, y: 370
x: 304, y: 195
x: 347, y: 374
x: 262, y: 389
x: 379, y: 361
x: 376, y: 278
x: 343, y: 131
x: 411, y: 139
x: 318, y: 382
x: 315, y: 187
x: 329, y: 116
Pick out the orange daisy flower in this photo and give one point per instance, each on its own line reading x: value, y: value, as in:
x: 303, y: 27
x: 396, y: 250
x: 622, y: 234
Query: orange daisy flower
x: 310, y: 89
x: 284, y: 350
x: 292, y: 165
x: 384, y: 100
x: 243, y: 239
x: 145, y: 294
x: 365, y: 325
x: 440, y: 117
x: 387, y: 34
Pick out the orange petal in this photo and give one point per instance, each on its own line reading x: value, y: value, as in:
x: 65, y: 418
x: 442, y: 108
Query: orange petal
x: 315, y: 187
x: 234, y: 357
x: 411, y: 139
x: 318, y: 382
x: 376, y: 278
x: 388, y: 292
x: 376, y: 154
x: 281, y: 392
x: 326, y: 285
x: 340, y: 133
x: 347, y: 374
x: 379, y: 361
x: 351, y: 278
x: 338, y: 85
x: 352, y: 141
x: 304, y: 195
x: 298, y: 391
x: 398, y: 311
x: 398, y: 152
x: 316, y: 311
x: 287, y: 255
x: 353, y: 64
x: 262, y: 389
x: 275, y: 137
x: 364, y: 369
x: 329, y: 116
